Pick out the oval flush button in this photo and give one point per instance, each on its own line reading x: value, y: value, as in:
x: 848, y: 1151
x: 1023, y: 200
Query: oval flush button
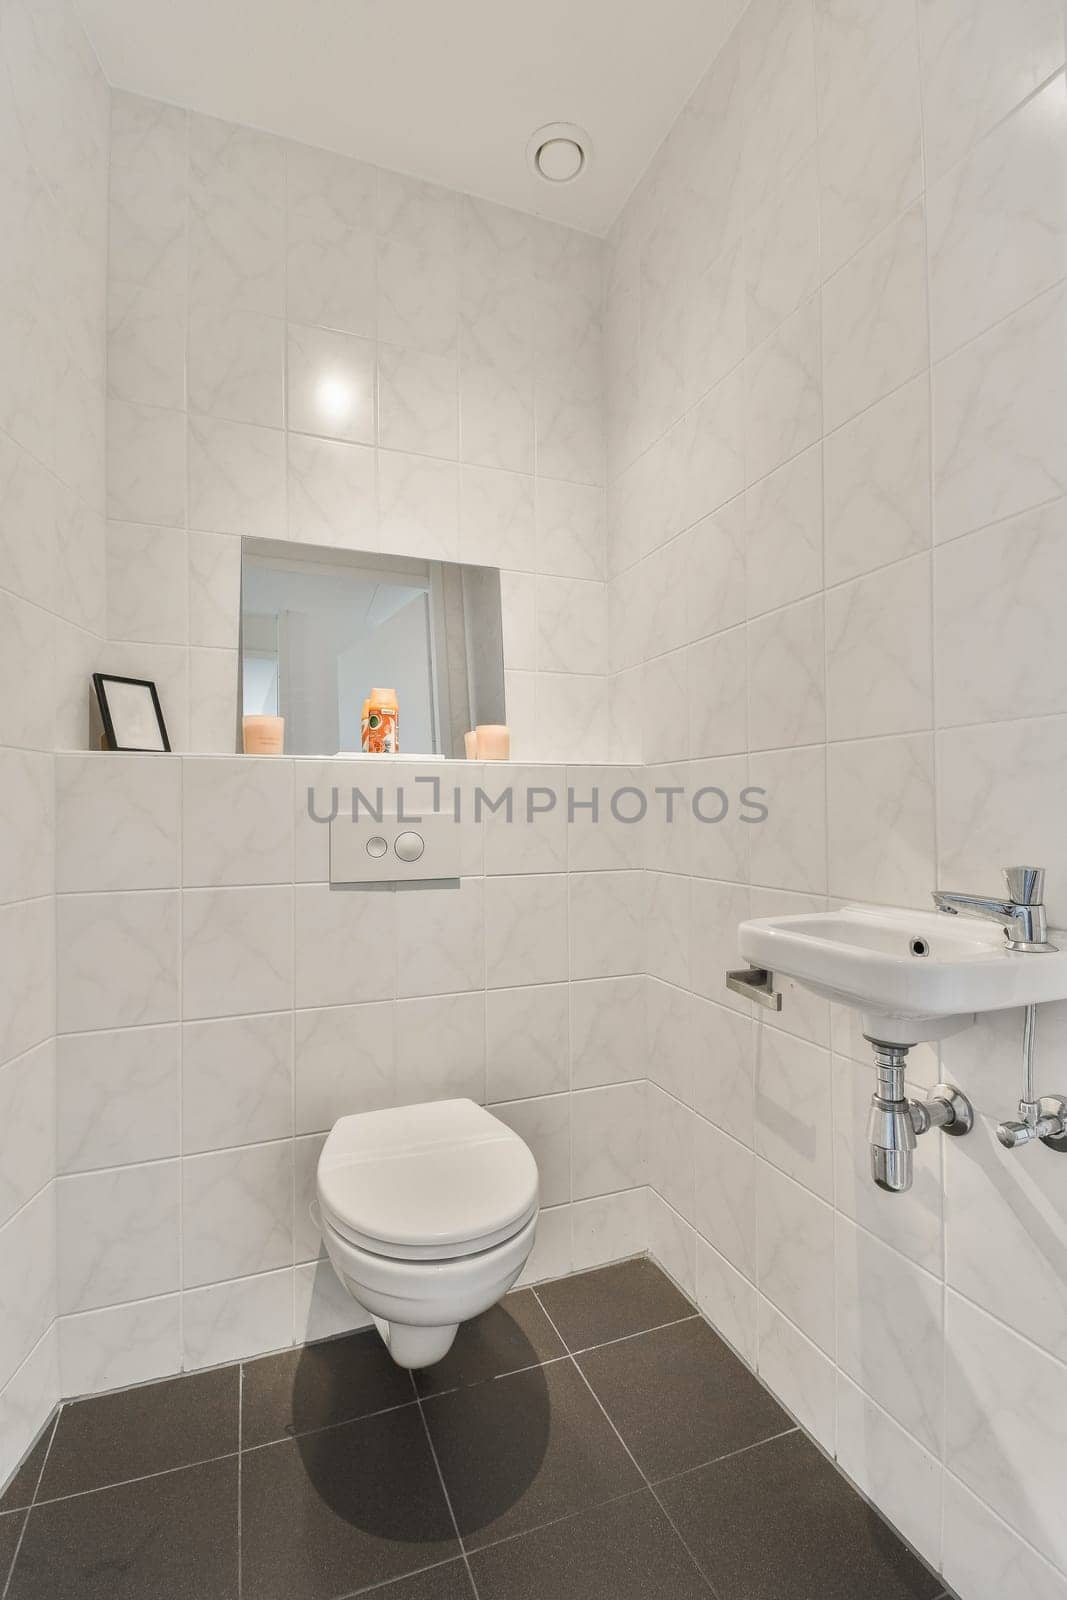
x: 409, y: 846
x: 377, y: 846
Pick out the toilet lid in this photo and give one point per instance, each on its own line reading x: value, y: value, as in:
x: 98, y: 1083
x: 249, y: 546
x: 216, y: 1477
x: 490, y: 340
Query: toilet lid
x: 433, y: 1180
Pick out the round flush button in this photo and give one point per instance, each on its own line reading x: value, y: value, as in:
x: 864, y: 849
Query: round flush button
x: 409, y: 846
x: 377, y: 846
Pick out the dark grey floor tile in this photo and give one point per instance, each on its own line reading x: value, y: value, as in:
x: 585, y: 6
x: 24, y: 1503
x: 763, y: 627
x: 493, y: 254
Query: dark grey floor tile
x: 338, y: 1381
x: 10, y: 1528
x: 172, y: 1537
x: 524, y: 1450
x: 450, y: 1582
x: 334, y: 1511
x: 623, y: 1551
x: 612, y: 1302
x: 514, y: 1334
x: 680, y: 1397
x: 780, y: 1523
x: 20, y: 1490
x: 114, y: 1437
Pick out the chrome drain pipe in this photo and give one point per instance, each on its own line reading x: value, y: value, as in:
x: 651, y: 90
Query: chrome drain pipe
x: 895, y: 1121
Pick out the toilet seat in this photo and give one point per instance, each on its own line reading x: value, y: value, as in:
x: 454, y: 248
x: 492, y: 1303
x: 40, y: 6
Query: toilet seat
x: 433, y: 1182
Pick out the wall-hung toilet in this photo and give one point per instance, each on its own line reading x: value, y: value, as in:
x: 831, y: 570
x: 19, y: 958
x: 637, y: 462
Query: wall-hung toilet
x: 428, y: 1214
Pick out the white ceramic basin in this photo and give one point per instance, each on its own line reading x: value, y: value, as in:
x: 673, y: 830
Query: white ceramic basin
x: 914, y: 975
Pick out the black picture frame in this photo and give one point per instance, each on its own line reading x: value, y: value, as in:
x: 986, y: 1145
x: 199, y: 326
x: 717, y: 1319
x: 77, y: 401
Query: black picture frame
x: 112, y: 735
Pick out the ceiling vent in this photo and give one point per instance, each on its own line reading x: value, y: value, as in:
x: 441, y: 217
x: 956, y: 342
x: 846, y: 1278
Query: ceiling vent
x: 559, y: 152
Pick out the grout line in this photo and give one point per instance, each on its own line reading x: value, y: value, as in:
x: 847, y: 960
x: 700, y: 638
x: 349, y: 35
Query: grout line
x: 240, y: 1477
x: 33, y: 1502
x: 730, y: 1455
x: 444, y: 1491
x: 145, y: 1477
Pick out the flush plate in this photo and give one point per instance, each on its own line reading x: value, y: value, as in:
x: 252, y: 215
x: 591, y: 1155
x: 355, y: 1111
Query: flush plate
x: 394, y: 850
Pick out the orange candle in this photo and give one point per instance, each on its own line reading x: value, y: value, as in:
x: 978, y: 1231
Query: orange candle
x: 264, y: 736
x: 493, y: 741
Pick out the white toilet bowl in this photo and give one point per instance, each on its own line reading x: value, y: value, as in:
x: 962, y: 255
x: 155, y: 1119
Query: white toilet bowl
x: 428, y: 1214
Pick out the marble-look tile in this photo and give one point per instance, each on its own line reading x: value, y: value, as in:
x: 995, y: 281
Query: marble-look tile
x: 714, y: 435
x: 330, y: 267
x: 724, y: 1079
x: 28, y: 496
x: 440, y: 938
x: 794, y: 1109
x: 118, y: 1346
x: 237, y: 821
x: 237, y: 1209
x: 725, y: 1196
x: 117, y: 822
x: 28, y: 1401
x: 613, y: 835
x: 981, y: 773
x: 714, y: 322
x: 331, y: 384
x: 890, y: 1332
x: 545, y: 1126
x: 28, y: 669
x: 715, y: 571
x: 786, y: 677
x: 145, y: 346
x: 876, y: 476
x: 875, y: 320
x: 672, y: 1042
x: 727, y: 1300
x: 236, y: 217
x: 418, y: 297
x: 440, y: 1048
x: 343, y: 1062
x: 1003, y: 1439
x: 497, y: 414
x: 147, y: 193
x: 232, y: 1321
x: 518, y: 618
x: 796, y: 1254
x: 778, y: 59
x: 529, y: 831
x: 797, y: 1373
x: 27, y: 1126
x: 886, y: 1464
x: 146, y: 583
x: 214, y: 590
x: 572, y: 617
x: 715, y: 911
x: 81, y: 554
x: 784, y: 393
x: 418, y: 402
x: 611, y: 1227
x: 870, y: 158
x: 782, y: 252
x: 851, y: 42
x: 236, y: 365
x: 322, y: 1306
x: 117, y: 1235
x: 570, y: 529
x: 607, y: 1034
x: 983, y: 1556
x: 665, y: 708
x: 986, y: 586
x: 345, y: 945
x: 236, y: 478
x: 500, y: 306
x: 999, y: 408
x: 213, y: 701
x: 237, y: 951
x: 117, y: 960
x: 569, y: 432
x: 879, y: 671
x: 911, y: 1222
x: 671, y: 1151
x: 237, y: 1081
x: 881, y: 820
x: 978, y: 62
x: 607, y: 926
x: 145, y: 464
x: 1002, y: 1229
x: 418, y: 506
x: 28, y: 842
x: 672, y: 1244
x: 664, y: 914
x: 998, y: 223
x: 783, y: 535
x: 116, y: 1098
x: 422, y: 215
x: 497, y: 525
x: 332, y: 493
x: 28, y: 1287
x: 608, y: 1139
x: 27, y: 975
x: 525, y: 930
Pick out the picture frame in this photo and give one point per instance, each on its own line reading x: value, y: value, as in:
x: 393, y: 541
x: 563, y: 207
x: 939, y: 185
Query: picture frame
x: 131, y: 714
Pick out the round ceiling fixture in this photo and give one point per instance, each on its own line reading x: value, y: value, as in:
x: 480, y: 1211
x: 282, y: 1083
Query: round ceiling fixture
x: 559, y: 152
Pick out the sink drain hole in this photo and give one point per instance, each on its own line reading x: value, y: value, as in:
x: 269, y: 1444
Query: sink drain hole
x: 919, y: 947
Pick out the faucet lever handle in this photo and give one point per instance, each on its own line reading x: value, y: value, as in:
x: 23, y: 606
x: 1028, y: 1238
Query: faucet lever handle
x: 1026, y: 885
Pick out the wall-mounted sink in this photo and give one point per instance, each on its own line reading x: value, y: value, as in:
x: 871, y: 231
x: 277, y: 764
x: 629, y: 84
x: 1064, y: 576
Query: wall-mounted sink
x: 915, y: 975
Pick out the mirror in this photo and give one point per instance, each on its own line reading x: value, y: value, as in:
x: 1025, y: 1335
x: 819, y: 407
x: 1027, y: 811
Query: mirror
x: 320, y: 628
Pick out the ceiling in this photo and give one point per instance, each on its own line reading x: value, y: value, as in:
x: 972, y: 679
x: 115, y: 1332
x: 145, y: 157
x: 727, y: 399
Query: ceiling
x: 448, y: 90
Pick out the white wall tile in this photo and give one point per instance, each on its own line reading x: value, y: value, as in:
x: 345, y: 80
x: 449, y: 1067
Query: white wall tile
x: 116, y: 822
x: 27, y: 847
x: 237, y: 1213
x: 725, y: 1201
x: 146, y: 583
x: 345, y: 945
x: 418, y: 402
x: 332, y: 493
x: 794, y: 1108
x: 237, y: 1081
x: 27, y: 975
x: 609, y: 1139
x: 786, y: 676
x: 610, y: 1227
x: 145, y: 464
x: 236, y: 478
x: 117, y: 1234
x: 783, y: 393
x: 27, y: 1126
x: 878, y: 652
x: 727, y: 1300
x: 331, y: 384
x: 28, y: 1287
x: 440, y: 1048
x: 237, y: 821
x: 796, y: 1254
x: 118, y: 1346
x: 525, y: 930
x: 117, y: 960
x: 798, y: 1373
x: 984, y: 1558
x: 527, y: 1041
x: 236, y: 217
x: 881, y: 814
x: 877, y: 484
x: 607, y: 1035
x: 236, y: 365
x: 545, y: 1126
x: 237, y: 951
x: 886, y: 1464
x: 116, y: 1098
x: 783, y: 547
x: 232, y: 1321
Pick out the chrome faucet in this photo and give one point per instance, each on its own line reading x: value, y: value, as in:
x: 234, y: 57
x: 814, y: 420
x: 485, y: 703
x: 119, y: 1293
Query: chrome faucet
x: 1022, y: 914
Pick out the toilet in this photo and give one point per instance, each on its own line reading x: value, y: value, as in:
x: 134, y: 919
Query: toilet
x: 428, y: 1214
